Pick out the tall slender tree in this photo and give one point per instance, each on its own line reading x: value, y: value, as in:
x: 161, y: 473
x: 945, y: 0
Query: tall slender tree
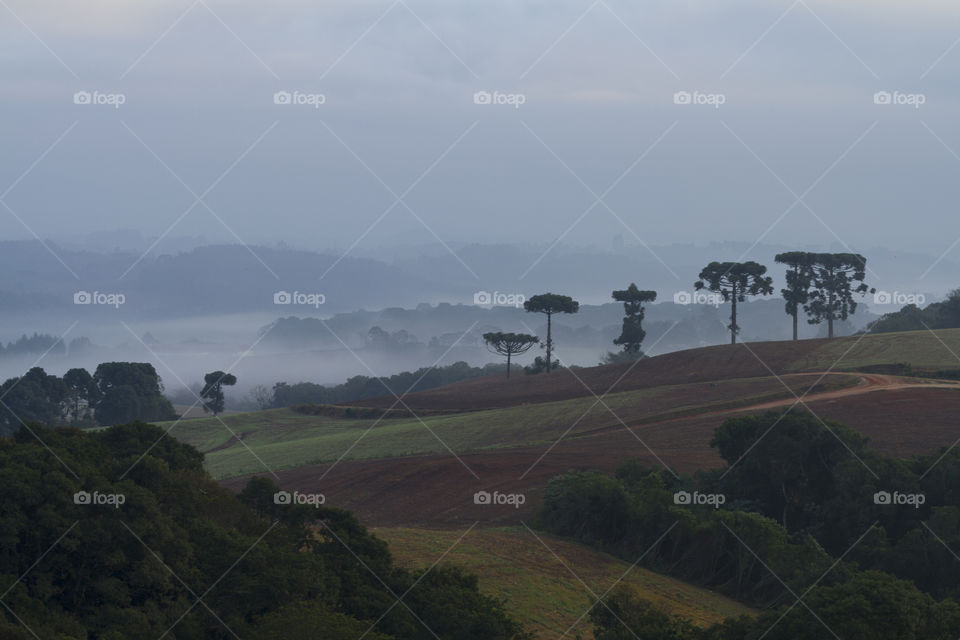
x: 632, y: 333
x: 509, y: 344
x: 549, y: 304
x: 799, y: 279
x: 734, y: 281
x: 835, y: 278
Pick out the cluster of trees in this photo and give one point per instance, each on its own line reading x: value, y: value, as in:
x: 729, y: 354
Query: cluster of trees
x: 183, y: 557
x: 35, y: 344
x: 869, y: 606
x: 822, y: 284
x: 798, y: 506
x: 511, y: 344
x: 937, y: 315
x: 116, y: 392
x: 361, y: 387
x: 42, y: 343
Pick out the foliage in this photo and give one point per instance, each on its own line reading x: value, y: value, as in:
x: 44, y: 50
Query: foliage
x: 834, y: 278
x: 632, y: 333
x: 212, y: 392
x: 136, y: 569
x: 360, y: 387
x: 937, y: 315
x: 799, y: 280
x: 549, y: 304
x: 798, y: 494
x: 734, y: 281
x: 509, y: 344
x: 130, y: 391
x: 35, y: 396
x: 539, y: 365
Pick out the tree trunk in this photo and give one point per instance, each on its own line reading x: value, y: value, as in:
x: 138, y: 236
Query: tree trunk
x: 549, y: 342
x: 508, y: 366
x: 830, y: 318
x: 733, y: 316
x: 796, y: 308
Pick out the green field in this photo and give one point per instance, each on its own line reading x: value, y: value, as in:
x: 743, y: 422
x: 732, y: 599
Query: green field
x: 540, y: 591
x: 283, y: 438
x: 938, y: 349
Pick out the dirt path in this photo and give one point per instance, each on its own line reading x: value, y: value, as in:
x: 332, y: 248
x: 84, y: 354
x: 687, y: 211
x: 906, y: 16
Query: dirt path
x: 869, y: 383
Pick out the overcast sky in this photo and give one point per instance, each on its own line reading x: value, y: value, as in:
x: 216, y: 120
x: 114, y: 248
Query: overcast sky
x: 798, y: 151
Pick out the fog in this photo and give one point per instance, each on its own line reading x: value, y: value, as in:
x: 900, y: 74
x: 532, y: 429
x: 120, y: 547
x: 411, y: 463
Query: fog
x: 199, y: 161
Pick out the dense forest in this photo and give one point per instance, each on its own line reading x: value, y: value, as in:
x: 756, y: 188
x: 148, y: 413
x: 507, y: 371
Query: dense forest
x: 100, y: 540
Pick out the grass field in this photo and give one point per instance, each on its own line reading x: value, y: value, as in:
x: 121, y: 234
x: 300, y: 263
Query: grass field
x: 541, y: 579
x: 282, y: 438
x: 938, y: 349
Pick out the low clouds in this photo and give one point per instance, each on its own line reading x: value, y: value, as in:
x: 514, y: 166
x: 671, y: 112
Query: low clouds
x: 599, y: 82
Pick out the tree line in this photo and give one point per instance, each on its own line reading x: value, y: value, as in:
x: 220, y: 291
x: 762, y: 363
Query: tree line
x: 823, y: 285
x: 117, y: 392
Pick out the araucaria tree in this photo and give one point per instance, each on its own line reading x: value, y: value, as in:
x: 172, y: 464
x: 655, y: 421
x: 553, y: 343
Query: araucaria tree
x: 212, y: 392
x: 509, y: 344
x: 799, y: 279
x: 734, y: 281
x: 835, y: 278
x: 632, y: 333
x: 549, y: 304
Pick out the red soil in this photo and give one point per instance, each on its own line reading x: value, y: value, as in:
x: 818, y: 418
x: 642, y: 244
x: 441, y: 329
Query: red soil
x: 900, y: 417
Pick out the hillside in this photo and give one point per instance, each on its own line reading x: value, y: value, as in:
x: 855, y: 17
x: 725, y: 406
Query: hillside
x: 920, y: 349
x: 534, y: 576
x: 283, y: 438
x: 414, y: 476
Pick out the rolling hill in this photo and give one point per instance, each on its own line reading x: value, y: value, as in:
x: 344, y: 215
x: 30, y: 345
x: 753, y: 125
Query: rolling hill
x: 412, y: 472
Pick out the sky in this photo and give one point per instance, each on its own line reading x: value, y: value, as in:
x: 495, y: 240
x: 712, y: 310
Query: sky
x: 353, y: 125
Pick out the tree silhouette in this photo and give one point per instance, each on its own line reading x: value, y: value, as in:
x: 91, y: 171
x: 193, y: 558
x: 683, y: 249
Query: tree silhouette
x: 549, y: 304
x: 632, y: 333
x: 509, y: 344
x: 799, y: 279
x: 735, y: 281
x: 212, y: 392
x: 833, y: 278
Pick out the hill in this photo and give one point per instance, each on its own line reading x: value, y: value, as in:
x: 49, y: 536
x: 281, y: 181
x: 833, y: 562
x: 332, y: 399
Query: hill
x: 414, y: 474
x: 920, y: 349
x: 282, y: 438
